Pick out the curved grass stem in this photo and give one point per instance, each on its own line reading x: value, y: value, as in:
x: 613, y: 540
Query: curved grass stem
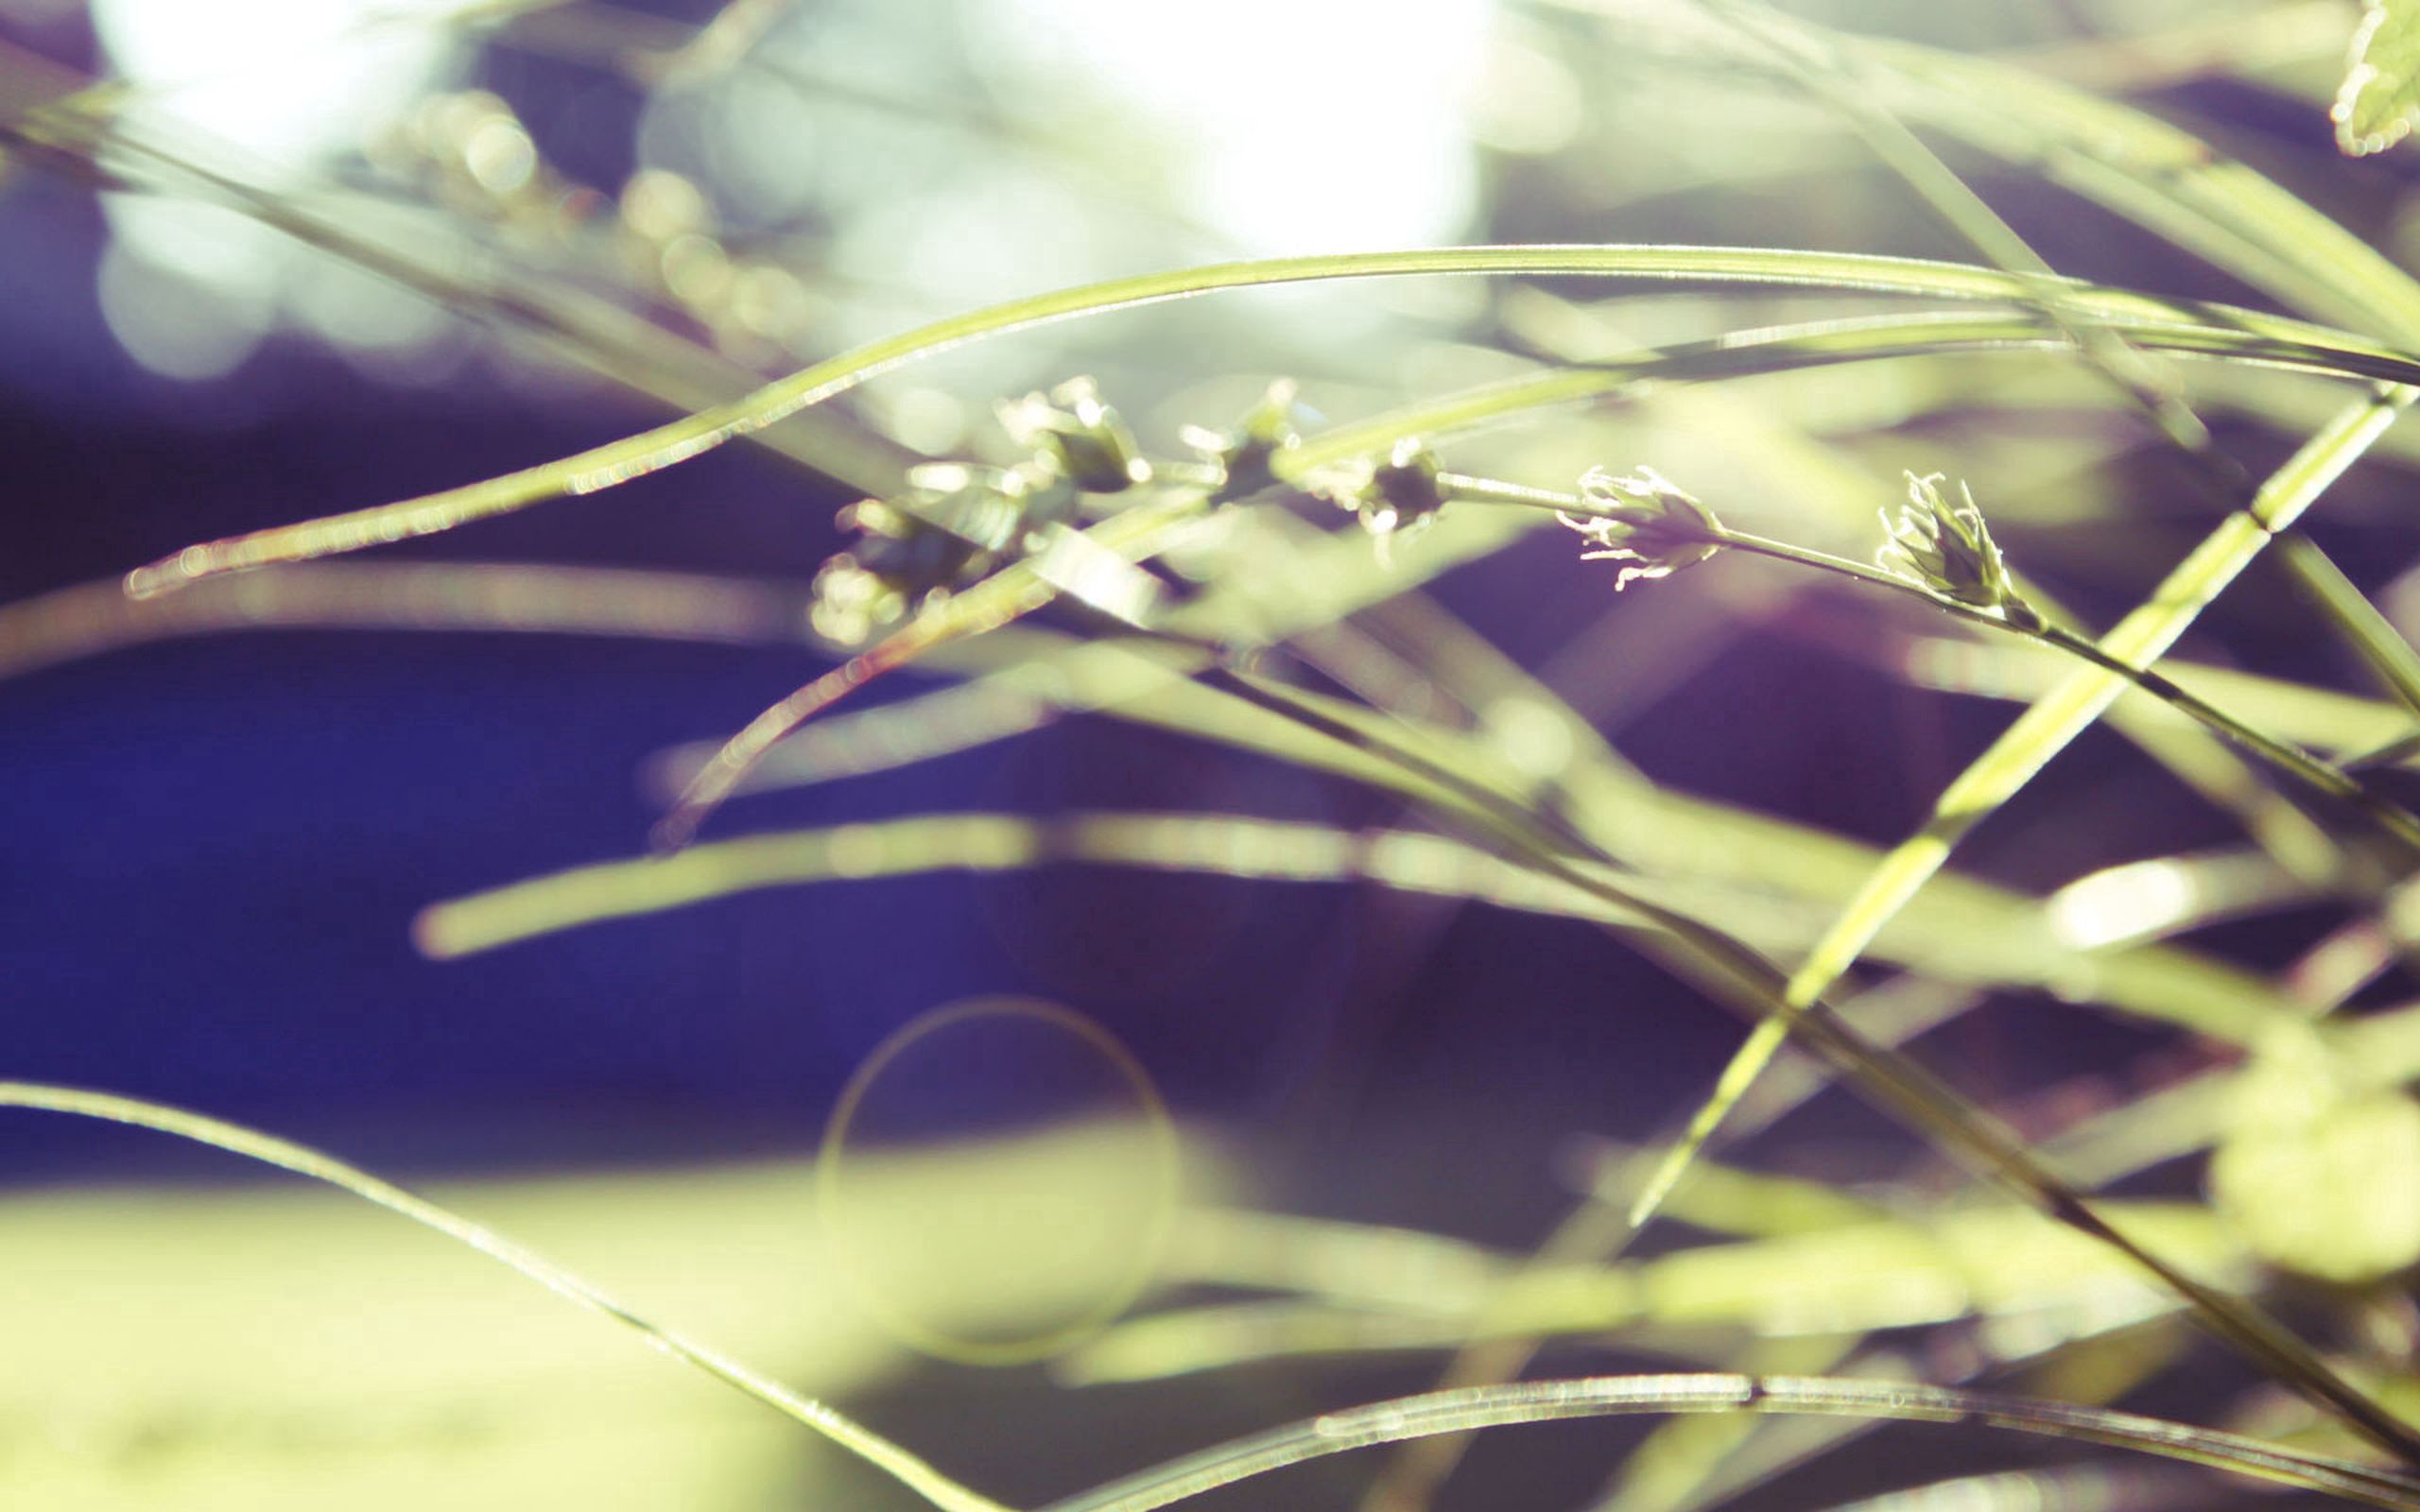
x: 2313, y: 772
x: 1455, y: 1412
x: 2242, y: 333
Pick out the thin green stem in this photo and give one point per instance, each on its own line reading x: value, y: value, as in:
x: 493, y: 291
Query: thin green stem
x: 1448, y: 1412
x: 2198, y: 327
x: 2313, y: 772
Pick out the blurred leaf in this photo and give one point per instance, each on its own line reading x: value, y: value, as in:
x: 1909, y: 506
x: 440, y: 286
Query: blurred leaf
x: 2318, y: 1172
x: 2380, y: 97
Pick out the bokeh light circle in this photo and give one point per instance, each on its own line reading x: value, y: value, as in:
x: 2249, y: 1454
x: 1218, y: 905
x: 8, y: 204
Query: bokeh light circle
x: 997, y: 1181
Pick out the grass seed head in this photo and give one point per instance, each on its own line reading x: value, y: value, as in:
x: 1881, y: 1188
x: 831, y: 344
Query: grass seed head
x: 1073, y: 431
x: 1947, y: 549
x: 1646, y: 522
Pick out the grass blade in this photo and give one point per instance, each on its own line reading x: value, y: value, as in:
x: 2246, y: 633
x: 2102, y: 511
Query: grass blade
x: 690, y: 435
x: 1446, y: 1411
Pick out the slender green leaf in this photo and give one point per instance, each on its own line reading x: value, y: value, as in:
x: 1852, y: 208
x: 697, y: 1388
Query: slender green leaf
x: 2191, y: 326
x: 1443, y: 1412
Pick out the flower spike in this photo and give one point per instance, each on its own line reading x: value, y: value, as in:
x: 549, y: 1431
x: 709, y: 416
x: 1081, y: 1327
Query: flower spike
x: 1646, y: 522
x: 1949, y: 550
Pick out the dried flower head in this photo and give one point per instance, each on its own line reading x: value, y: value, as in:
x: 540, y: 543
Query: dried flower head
x: 1246, y: 455
x: 1646, y: 522
x: 1396, y: 497
x: 951, y: 525
x: 1945, y: 548
x: 1073, y: 431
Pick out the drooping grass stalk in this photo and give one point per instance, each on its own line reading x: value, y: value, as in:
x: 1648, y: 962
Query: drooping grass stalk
x: 2317, y: 774
x: 2132, y: 162
x: 285, y: 1154
x: 2242, y: 331
x: 1018, y: 589
x: 2039, y: 734
x: 1608, y: 1396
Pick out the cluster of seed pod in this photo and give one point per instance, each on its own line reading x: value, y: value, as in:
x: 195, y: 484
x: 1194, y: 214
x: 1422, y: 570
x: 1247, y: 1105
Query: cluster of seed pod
x: 957, y: 522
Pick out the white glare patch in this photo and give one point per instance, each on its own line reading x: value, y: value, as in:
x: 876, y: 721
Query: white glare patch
x: 1291, y: 126
x: 2144, y: 899
x: 176, y: 325
x: 286, y: 86
x: 2122, y: 903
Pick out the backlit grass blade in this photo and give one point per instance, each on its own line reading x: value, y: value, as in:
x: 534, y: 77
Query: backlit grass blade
x: 1609, y: 1396
x: 617, y: 462
x: 477, y: 597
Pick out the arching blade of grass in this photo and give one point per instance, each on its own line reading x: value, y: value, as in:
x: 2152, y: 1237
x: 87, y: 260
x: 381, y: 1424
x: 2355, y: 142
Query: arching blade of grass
x: 484, y: 597
x: 1019, y: 588
x: 1962, y: 930
x: 1829, y: 76
x: 2041, y: 733
x: 285, y: 1154
x: 1607, y: 1395
x: 619, y: 461
x: 2163, y: 176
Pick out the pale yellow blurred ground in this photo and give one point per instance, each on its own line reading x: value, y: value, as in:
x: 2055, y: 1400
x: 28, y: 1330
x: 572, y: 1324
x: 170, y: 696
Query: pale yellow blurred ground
x: 261, y: 1348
